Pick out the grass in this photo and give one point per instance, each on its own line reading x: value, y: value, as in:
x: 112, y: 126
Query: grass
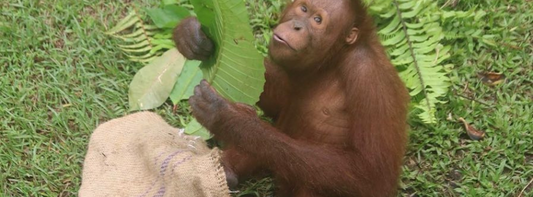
x: 60, y: 77
x: 442, y: 161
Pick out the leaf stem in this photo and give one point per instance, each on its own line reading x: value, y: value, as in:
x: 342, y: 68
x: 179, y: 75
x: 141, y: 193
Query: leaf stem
x: 411, y: 50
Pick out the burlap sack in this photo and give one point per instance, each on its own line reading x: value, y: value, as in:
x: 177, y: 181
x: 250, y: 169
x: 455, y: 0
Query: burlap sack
x: 141, y: 155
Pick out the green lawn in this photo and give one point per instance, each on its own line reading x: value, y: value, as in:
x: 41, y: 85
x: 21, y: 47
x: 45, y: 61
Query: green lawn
x: 60, y: 77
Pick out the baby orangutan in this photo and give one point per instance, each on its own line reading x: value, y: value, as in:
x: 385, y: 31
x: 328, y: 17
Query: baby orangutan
x: 338, y: 105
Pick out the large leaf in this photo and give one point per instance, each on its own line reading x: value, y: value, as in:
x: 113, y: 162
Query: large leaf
x: 236, y: 70
x: 188, y: 79
x: 152, y: 85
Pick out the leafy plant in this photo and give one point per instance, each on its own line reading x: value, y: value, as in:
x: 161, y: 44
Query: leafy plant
x: 235, y: 70
x: 139, y: 39
x: 411, y: 31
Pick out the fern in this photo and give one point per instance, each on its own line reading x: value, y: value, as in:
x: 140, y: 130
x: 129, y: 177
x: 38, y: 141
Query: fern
x: 139, y: 42
x: 411, y: 31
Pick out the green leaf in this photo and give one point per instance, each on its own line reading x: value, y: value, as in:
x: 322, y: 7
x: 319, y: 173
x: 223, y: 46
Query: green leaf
x: 166, y: 42
x: 188, y: 79
x: 168, y: 16
x: 152, y: 85
x: 144, y: 43
x: 205, y: 13
x: 196, y: 129
x: 142, y: 58
x: 134, y: 34
x: 125, y: 23
x: 236, y: 70
x: 169, y: 2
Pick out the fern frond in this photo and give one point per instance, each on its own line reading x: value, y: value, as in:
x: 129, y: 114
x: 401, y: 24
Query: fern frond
x: 412, y: 33
x: 138, y: 43
x: 125, y: 23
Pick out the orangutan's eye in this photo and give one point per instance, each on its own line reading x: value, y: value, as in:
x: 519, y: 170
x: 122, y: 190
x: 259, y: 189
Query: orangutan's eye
x: 304, y: 9
x: 318, y: 19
